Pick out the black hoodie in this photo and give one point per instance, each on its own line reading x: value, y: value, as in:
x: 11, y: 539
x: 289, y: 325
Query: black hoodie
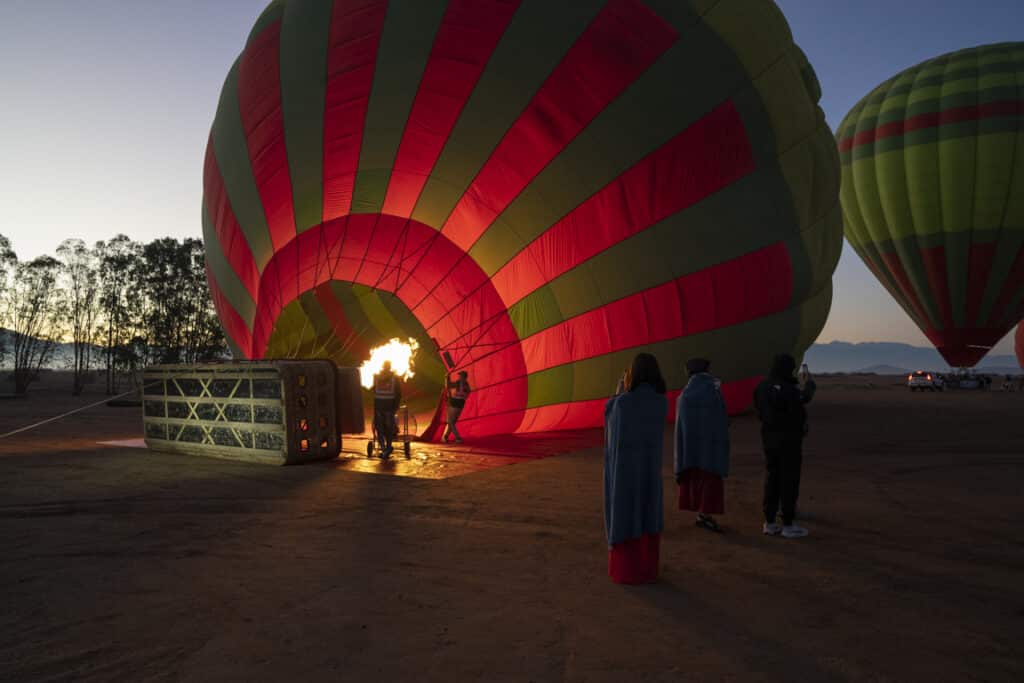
x: 779, y: 401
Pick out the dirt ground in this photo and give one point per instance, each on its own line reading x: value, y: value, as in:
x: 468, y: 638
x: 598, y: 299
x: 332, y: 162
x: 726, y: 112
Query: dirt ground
x: 120, y: 564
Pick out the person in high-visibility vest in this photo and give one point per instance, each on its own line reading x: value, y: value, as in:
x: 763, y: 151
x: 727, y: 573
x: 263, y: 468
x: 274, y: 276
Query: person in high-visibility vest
x: 387, y: 396
x: 458, y: 392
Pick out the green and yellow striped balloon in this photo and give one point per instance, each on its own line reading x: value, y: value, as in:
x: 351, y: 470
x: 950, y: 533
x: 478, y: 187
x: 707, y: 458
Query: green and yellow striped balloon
x: 933, y: 194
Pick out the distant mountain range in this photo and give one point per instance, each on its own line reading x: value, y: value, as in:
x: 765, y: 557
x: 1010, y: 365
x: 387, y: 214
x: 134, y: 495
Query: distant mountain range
x: 880, y: 358
x: 887, y: 358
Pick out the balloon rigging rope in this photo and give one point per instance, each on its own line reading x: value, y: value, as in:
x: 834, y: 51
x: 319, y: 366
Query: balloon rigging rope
x: 69, y: 413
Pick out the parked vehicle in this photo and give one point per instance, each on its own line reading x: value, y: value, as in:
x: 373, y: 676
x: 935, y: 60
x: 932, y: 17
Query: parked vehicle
x: 925, y: 381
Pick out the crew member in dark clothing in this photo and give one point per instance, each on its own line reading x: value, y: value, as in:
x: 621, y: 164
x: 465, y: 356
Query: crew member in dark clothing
x: 458, y: 392
x: 780, y: 401
x: 387, y: 396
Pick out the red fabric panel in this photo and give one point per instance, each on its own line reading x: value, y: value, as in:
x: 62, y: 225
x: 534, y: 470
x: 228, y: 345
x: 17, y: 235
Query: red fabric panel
x: 234, y: 326
x: 469, y: 32
x: 738, y: 395
x: 706, y: 157
x: 934, y: 259
x: 229, y: 233
x: 895, y: 268
x: 749, y: 287
x: 259, y: 99
x: 636, y: 560
x: 619, y: 45
x: 980, y: 267
x: 1013, y: 286
x: 932, y: 119
x: 356, y: 27
x: 358, y: 231
x: 964, y: 347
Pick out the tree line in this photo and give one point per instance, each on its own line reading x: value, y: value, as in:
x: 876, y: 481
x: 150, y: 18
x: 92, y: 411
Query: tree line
x: 119, y: 305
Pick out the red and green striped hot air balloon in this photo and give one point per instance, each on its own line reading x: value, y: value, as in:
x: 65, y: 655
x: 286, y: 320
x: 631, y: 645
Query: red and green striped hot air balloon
x: 933, y: 194
x: 542, y: 188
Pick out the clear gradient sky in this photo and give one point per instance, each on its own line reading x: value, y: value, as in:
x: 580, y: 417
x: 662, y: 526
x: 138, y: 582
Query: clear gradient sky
x: 106, y: 106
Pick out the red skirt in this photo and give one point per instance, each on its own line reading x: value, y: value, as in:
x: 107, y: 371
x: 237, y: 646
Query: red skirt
x: 635, y: 560
x: 702, y: 491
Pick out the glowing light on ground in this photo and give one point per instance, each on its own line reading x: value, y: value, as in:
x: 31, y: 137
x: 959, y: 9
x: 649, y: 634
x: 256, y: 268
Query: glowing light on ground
x: 399, y: 352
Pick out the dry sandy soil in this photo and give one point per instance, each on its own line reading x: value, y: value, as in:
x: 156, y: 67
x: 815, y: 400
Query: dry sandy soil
x: 120, y: 564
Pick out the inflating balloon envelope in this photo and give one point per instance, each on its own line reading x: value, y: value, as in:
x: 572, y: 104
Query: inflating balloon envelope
x: 544, y: 188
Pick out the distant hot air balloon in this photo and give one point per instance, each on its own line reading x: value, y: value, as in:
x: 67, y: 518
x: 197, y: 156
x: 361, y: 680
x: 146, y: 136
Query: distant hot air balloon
x: 933, y: 194
x: 542, y: 188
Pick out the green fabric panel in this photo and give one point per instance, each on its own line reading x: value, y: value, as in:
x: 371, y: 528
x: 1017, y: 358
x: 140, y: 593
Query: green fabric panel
x: 538, y: 37
x: 957, y: 161
x: 729, y: 350
x: 891, y: 177
x: 760, y: 134
x: 854, y: 229
x: 271, y: 14
x: 228, y: 281
x: 361, y: 325
x: 866, y: 190
x: 409, y: 29
x: 924, y: 181
x: 376, y: 313
x: 757, y: 32
x: 536, y: 312
x: 812, y: 173
x: 993, y: 178
x: 726, y: 225
x: 293, y: 335
x: 1013, y: 212
x: 232, y: 153
x: 815, y: 253
x: 813, y: 315
x: 679, y: 15
x: 304, y: 41
x: 552, y: 386
x: 645, y: 117
x: 792, y: 113
x: 234, y: 349
x: 328, y: 345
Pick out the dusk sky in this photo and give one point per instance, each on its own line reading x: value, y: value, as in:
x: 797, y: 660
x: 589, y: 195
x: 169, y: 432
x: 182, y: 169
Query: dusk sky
x: 107, y: 106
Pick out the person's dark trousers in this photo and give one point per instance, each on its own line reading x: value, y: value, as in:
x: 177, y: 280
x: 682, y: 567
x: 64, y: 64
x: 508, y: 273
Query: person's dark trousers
x: 783, y: 459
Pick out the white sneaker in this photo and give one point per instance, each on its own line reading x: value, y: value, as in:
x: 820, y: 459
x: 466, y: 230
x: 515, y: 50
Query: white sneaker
x: 793, y: 531
x: 772, y: 529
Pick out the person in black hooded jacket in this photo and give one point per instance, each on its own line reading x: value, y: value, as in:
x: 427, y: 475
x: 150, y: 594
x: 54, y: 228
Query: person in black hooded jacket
x: 780, y: 402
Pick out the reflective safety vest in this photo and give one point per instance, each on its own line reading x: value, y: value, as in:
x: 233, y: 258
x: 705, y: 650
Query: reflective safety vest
x: 384, y: 386
x: 460, y: 390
